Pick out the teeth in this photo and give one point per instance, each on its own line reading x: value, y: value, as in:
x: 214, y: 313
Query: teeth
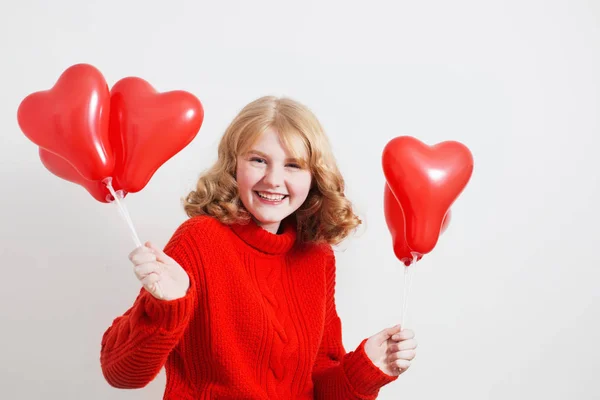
x: 272, y: 197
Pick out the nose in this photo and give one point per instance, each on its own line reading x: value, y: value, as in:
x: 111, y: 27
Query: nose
x: 273, y: 177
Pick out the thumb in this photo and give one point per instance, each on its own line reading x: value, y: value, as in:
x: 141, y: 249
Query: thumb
x: 387, y: 333
x: 160, y: 255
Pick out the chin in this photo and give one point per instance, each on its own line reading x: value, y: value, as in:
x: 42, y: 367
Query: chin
x: 269, y: 218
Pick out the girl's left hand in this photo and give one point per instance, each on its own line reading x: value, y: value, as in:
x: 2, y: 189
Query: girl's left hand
x: 392, y: 350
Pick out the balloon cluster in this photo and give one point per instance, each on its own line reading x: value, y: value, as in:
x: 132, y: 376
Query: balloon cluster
x: 96, y: 137
x: 422, y: 182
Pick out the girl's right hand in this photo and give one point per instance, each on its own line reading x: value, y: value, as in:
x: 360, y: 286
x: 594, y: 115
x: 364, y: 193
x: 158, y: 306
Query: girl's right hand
x: 151, y: 266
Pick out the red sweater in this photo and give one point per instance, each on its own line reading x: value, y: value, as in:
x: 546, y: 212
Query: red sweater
x: 258, y: 322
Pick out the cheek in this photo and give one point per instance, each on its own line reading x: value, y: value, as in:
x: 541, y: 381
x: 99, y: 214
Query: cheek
x: 245, y: 179
x: 301, y: 187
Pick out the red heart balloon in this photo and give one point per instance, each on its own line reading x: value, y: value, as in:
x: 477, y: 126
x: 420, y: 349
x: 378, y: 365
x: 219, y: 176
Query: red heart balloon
x: 71, y: 120
x: 394, y: 219
x: 152, y: 126
x: 61, y: 168
x: 426, y: 180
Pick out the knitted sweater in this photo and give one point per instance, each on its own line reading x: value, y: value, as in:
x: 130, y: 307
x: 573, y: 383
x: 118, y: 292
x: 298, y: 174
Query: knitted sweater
x: 258, y: 322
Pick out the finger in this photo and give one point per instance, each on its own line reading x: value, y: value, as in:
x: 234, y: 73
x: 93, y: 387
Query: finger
x: 135, y: 251
x: 408, y: 355
x: 143, y: 270
x: 143, y: 258
x: 403, y: 365
x: 385, y: 334
x: 160, y: 255
x: 410, y: 344
x: 403, y: 335
x: 393, y: 347
x: 141, y: 249
x: 157, y: 290
x: 150, y: 280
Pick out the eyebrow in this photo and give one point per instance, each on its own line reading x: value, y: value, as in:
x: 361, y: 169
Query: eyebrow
x: 256, y: 152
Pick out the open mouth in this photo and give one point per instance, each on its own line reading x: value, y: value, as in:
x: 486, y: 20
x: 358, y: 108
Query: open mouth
x: 270, y: 197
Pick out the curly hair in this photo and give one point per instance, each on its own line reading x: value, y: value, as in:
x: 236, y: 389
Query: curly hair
x: 326, y: 216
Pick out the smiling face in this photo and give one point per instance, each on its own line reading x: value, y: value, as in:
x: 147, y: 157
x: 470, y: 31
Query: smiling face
x: 272, y: 182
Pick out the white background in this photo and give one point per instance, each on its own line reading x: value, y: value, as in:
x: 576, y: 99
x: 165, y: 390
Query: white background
x: 505, y: 307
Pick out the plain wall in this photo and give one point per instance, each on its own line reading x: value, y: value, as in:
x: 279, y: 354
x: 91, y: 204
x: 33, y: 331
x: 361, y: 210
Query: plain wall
x: 505, y: 307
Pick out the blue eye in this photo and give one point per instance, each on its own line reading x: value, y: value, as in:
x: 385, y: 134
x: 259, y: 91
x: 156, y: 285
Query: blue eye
x: 294, y: 166
x: 258, y: 160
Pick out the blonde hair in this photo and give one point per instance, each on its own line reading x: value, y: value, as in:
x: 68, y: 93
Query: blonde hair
x: 325, y: 216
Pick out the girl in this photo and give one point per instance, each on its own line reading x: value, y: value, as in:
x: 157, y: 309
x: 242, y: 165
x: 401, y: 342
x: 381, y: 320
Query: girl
x: 246, y: 307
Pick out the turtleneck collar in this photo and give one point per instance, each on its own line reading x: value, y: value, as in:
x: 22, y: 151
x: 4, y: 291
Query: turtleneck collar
x: 265, y: 241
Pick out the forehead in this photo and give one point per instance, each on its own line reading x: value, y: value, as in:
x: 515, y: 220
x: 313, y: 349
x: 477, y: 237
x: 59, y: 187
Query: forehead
x: 277, y: 145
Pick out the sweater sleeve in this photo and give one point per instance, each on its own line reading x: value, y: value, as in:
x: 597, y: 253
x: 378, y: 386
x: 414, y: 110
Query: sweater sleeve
x: 137, y: 344
x: 341, y: 375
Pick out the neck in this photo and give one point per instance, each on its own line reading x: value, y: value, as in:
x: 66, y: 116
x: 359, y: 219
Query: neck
x: 272, y: 227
